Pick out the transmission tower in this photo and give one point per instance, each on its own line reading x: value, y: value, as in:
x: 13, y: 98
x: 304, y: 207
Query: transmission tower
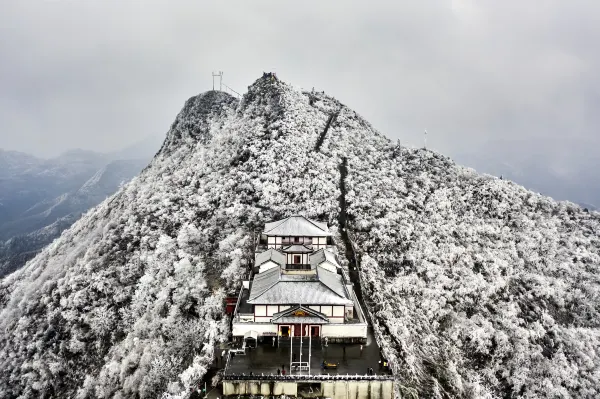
x: 220, y: 75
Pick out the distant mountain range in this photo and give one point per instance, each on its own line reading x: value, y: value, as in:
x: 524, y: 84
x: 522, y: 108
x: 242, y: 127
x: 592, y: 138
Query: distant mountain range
x: 569, y: 174
x: 39, y: 198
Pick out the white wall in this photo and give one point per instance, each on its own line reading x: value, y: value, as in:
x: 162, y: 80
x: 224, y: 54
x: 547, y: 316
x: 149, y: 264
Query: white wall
x: 319, y: 242
x: 327, y: 310
x: 338, y: 311
x: 239, y: 329
x: 260, y: 310
x: 335, y: 313
x: 264, y: 313
x: 273, y: 242
x: 329, y: 266
x: 303, y: 258
x: 345, y: 330
x: 267, y: 266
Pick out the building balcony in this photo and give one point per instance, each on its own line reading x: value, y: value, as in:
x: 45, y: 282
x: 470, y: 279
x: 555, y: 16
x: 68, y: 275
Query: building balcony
x: 297, y: 266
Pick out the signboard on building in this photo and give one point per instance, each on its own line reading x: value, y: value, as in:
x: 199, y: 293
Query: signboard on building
x: 300, y: 313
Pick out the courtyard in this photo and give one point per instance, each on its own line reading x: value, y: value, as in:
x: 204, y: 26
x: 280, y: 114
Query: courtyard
x: 267, y: 358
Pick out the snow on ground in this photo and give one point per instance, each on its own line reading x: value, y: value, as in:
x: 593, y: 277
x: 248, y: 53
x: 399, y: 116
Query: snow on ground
x: 479, y: 288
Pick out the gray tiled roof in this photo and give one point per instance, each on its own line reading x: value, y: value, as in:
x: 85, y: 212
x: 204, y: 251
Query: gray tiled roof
x: 270, y: 254
x: 332, y: 280
x: 297, y: 249
x: 296, y: 226
x: 324, y: 288
x: 263, y: 281
x: 321, y: 256
x: 310, y: 293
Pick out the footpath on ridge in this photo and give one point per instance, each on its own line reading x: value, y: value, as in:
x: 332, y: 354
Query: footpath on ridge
x: 353, y: 264
x: 330, y: 120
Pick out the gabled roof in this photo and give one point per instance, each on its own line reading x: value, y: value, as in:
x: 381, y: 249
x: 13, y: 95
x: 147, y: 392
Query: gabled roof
x: 263, y: 281
x: 297, y: 249
x: 296, y: 226
x: 332, y: 280
x: 322, y: 256
x: 299, y: 314
x: 270, y: 255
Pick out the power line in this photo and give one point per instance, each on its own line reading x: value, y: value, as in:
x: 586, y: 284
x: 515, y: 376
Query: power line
x: 230, y: 89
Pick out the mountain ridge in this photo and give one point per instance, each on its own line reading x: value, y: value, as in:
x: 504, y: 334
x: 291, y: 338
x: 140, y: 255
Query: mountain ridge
x: 128, y: 302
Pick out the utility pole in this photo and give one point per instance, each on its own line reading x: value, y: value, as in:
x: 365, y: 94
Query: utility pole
x: 220, y: 75
x: 301, y: 334
x: 291, y: 347
x: 309, y: 348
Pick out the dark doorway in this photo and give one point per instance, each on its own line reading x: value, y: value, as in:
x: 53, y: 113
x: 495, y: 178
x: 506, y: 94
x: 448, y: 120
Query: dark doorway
x: 314, y: 331
x: 301, y: 330
x: 285, y: 331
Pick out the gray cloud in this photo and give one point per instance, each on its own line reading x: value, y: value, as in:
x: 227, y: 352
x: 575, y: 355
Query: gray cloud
x: 479, y: 75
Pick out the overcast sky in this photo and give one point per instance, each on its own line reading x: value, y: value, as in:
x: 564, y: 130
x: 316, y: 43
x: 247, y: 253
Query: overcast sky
x: 480, y: 76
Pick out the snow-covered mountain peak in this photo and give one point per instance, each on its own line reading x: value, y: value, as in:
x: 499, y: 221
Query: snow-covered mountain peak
x: 191, y: 125
x: 476, y: 286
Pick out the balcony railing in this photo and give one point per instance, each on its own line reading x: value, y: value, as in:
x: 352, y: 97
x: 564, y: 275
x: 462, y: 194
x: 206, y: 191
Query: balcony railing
x: 297, y: 266
x: 296, y: 377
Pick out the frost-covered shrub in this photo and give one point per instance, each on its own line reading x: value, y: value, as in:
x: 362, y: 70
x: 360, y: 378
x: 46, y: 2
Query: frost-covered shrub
x: 479, y: 288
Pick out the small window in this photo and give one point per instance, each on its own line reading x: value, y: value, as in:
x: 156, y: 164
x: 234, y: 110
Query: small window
x: 296, y: 240
x: 297, y: 259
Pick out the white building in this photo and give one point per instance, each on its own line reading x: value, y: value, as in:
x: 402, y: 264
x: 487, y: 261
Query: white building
x: 299, y: 289
x: 297, y: 230
x: 325, y: 259
x: 269, y: 259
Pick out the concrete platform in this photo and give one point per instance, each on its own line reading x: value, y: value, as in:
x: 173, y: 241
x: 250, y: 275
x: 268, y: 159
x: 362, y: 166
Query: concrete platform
x: 266, y: 359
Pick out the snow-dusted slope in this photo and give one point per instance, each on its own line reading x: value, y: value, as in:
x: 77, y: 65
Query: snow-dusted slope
x: 479, y: 287
x: 469, y: 273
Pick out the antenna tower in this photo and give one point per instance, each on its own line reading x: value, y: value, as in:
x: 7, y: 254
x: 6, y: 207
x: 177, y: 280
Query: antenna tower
x: 220, y: 75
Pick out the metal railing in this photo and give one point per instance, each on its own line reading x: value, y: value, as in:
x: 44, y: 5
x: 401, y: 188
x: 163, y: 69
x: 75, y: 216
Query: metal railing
x: 316, y: 377
x: 297, y: 266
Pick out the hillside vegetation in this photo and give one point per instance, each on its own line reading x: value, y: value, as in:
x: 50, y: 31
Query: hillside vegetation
x: 478, y: 287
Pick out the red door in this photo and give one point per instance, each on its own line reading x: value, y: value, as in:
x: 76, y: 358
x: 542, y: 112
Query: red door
x: 301, y: 329
x: 315, y: 331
